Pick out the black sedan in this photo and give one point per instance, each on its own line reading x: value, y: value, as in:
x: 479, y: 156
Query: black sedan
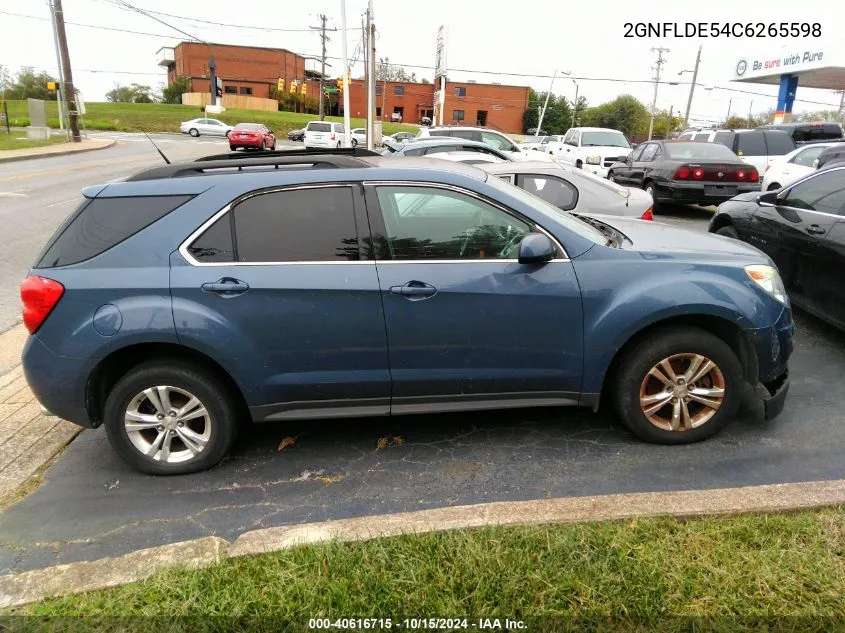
x: 802, y: 228
x: 686, y: 172
x: 296, y: 135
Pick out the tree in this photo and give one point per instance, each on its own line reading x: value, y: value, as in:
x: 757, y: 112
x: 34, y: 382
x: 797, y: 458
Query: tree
x: 625, y: 113
x: 423, y: 80
x: 30, y: 85
x: 133, y: 93
x: 173, y: 93
x: 558, y: 116
x: 817, y: 115
x: 736, y: 122
x: 391, y: 72
x: 663, y: 126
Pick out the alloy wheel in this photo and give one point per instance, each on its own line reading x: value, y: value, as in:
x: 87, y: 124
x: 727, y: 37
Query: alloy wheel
x: 168, y: 424
x: 682, y: 392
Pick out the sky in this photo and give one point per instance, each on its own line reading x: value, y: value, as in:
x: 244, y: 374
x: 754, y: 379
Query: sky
x: 530, y: 39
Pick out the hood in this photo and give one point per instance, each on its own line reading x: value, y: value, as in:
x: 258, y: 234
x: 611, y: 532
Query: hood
x: 750, y: 196
x: 656, y: 239
x: 605, y: 150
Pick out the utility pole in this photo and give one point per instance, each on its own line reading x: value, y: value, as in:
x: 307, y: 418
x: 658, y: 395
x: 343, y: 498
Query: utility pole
x: 70, y: 93
x: 60, y: 93
x: 346, y: 83
x: 323, y: 38
x: 730, y: 101
x: 657, y: 66
x: 385, y: 66
x: 842, y: 106
x: 575, y: 105
x: 692, y: 86
x: 669, y: 125
x: 371, y: 83
x: 545, y: 105
x: 749, y: 113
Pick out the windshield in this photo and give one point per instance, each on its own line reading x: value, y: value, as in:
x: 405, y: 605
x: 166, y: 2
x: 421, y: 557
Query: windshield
x: 319, y: 127
x: 704, y: 151
x: 571, y: 222
x: 610, y: 139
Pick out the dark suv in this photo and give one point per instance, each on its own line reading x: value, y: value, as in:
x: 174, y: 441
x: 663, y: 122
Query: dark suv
x: 803, y: 133
x: 305, y: 285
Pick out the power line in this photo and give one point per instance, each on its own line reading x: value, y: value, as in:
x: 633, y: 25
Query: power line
x: 125, y: 5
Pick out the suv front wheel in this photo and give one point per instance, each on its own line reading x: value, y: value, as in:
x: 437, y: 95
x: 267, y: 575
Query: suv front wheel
x: 679, y: 385
x: 169, y: 418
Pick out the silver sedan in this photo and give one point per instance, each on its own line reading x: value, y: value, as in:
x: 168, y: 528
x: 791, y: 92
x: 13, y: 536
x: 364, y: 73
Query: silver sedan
x: 573, y: 189
x: 205, y: 127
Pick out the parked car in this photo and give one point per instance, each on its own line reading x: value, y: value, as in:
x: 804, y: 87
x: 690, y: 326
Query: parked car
x: 756, y: 147
x: 251, y: 136
x: 323, y: 134
x: 533, y: 142
x: 496, y: 140
x: 803, y: 132
x: 686, y: 172
x: 831, y: 156
x: 205, y: 127
x: 436, y: 145
x: 572, y: 189
x: 591, y: 148
x: 359, y: 136
x: 199, y: 304
x: 296, y: 135
x: 793, y: 166
x: 802, y: 228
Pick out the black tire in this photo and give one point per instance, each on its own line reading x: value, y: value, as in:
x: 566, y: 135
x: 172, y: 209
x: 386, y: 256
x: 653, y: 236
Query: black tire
x: 194, y: 132
x: 611, y: 177
x: 774, y: 186
x: 273, y: 146
x: 650, y: 189
x: 264, y: 145
x: 338, y: 145
x: 233, y: 148
x: 633, y: 368
x: 728, y: 231
x: 215, y: 396
x: 354, y: 142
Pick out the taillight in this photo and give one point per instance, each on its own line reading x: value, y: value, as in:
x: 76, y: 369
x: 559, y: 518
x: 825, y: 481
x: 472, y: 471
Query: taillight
x: 740, y: 175
x: 753, y: 176
x: 698, y: 173
x: 39, y: 295
x: 648, y: 215
x: 682, y: 173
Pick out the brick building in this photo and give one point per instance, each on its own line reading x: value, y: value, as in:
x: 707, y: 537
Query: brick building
x: 252, y: 71
x: 244, y: 70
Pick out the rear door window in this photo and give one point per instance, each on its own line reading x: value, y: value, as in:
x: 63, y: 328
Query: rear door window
x: 751, y: 144
x: 551, y: 189
x: 103, y: 223
x: 725, y: 138
x: 778, y: 143
x: 319, y: 127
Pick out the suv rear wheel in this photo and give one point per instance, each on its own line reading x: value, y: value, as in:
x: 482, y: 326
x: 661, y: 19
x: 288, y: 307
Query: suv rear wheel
x: 678, y: 385
x: 168, y: 418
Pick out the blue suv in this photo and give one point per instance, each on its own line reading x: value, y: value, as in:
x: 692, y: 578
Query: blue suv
x: 192, y: 297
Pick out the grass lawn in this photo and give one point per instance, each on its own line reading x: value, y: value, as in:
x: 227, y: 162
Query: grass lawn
x: 716, y: 574
x: 163, y: 117
x: 15, y: 140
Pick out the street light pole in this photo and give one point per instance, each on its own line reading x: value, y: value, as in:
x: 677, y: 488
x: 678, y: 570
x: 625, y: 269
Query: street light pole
x: 575, y: 104
x: 692, y: 85
x: 545, y: 105
x: 346, y: 84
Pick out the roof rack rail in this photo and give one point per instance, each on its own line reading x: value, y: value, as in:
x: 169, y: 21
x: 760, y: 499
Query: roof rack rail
x: 277, y: 160
x: 330, y: 151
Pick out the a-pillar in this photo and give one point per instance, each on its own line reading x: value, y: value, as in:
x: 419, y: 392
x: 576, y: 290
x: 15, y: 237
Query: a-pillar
x: 786, y: 96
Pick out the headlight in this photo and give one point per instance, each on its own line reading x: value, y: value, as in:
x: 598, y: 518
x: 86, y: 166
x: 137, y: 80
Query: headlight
x: 593, y: 160
x: 768, y: 279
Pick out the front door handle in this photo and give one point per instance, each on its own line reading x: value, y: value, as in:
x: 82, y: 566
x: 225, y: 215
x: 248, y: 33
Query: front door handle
x: 414, y: 290
x: 226, y: 286
x: 815, y: 229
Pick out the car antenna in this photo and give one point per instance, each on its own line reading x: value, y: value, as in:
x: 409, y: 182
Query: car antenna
x: 157, y: 149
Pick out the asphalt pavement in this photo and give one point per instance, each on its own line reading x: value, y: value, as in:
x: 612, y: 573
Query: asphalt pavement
x: 91, y: 505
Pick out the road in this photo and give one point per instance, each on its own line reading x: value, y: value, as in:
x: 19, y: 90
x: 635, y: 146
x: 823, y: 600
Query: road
x: 36, y: 195
x: 91, y: 505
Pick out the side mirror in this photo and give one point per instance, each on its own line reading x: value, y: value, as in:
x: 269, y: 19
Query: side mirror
x: 770, y: 197
x: 536, y: 248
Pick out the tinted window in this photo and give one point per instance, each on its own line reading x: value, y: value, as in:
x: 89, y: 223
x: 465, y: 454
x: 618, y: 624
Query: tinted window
x: 296, y: 225
x: 428, y: 223
x: 725, y: 138
x: 215, y: 244
x: 439, y: 149
x: 553, y: 190
x: 470, y: 135
x: 319, y: 127
x: 751, y: 144
x: 825, y: 193
x: 417, y: 151
x: 704, y: 136
x: 102, y: 224
x: 778, y: 143
x: 649, y: 152
x: 705, y: 151
x: 807, y: 157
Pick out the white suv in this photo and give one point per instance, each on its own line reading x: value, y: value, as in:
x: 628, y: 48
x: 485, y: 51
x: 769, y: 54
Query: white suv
x: 324, y: 134
x: 494, y: 139
x: 593, y: 149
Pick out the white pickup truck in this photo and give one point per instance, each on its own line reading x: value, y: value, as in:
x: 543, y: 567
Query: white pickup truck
x: 593, y: 149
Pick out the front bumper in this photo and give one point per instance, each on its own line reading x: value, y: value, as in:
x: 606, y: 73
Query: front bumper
x: 704, y: 192
x: 773, y: 346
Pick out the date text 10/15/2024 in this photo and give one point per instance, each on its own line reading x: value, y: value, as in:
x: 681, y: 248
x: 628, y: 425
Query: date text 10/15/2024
x: 424, y: 624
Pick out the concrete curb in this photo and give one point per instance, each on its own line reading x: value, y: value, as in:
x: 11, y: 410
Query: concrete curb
x: 28, y: 587
x: 102, y: 144
x: 108, y: 572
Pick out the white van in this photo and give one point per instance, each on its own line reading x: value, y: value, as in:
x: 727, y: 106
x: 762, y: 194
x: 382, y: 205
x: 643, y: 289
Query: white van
x: 324, y: 134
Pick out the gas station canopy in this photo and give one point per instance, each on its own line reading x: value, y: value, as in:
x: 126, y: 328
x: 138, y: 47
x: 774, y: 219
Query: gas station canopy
x: 812, y: 67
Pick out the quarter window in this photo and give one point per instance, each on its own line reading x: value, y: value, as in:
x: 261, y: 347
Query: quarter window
x: 824, y: 193
x: 435, y: 224
x: 553, y: 190
x: 298, y: 225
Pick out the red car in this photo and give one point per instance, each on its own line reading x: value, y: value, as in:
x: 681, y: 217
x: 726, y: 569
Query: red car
x: 251, y: 136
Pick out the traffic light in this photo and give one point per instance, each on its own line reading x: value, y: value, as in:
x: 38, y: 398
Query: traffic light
x: 340, y: 85
x: 304, y: 89
x: 293, y: 86
x: 51, y: 85
x: 280, y: 85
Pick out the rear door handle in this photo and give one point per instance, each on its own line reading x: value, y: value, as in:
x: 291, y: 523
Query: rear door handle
x: 226, y: 286
x: 815, y: 229
x: 414, y: 290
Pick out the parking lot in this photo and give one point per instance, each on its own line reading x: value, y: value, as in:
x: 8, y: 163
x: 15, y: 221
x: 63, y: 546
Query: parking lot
x: 92, y: 505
